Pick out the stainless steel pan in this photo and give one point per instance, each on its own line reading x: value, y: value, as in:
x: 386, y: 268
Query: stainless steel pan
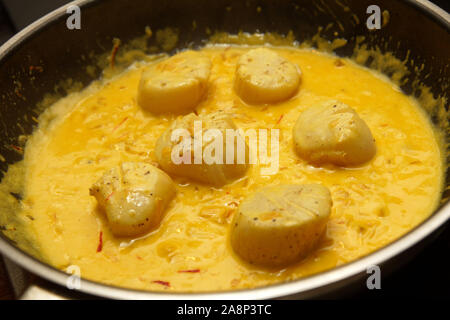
x: 417, y: 26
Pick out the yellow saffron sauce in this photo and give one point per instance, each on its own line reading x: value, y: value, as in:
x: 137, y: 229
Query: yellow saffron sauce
x: 86, y: 133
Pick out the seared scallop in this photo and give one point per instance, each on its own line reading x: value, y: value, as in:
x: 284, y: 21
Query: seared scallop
x: 333, y: 133
x: 175, y: 85
x: 263, y: 76
x: 134, y: 197
x: 280, y: 225
x: 207, y: 157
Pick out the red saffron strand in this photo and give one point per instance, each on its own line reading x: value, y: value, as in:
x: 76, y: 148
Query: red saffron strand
x: 18, y: 149
x: 163, y: 283
x: 110, y: 195
x: 279, y: 120
x: 121, y: 123
x: 114, y: 52
x: 189, y: 271
x: 100, y: 242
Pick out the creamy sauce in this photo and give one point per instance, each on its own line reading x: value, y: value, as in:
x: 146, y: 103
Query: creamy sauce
x: 103, y: 126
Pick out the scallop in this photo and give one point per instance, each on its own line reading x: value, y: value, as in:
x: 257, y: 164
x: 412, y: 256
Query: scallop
x: 263, y: 76
x: 280, y: 225
x: 134, y: 196
x: 178, y: 146
x: 333, y: 133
